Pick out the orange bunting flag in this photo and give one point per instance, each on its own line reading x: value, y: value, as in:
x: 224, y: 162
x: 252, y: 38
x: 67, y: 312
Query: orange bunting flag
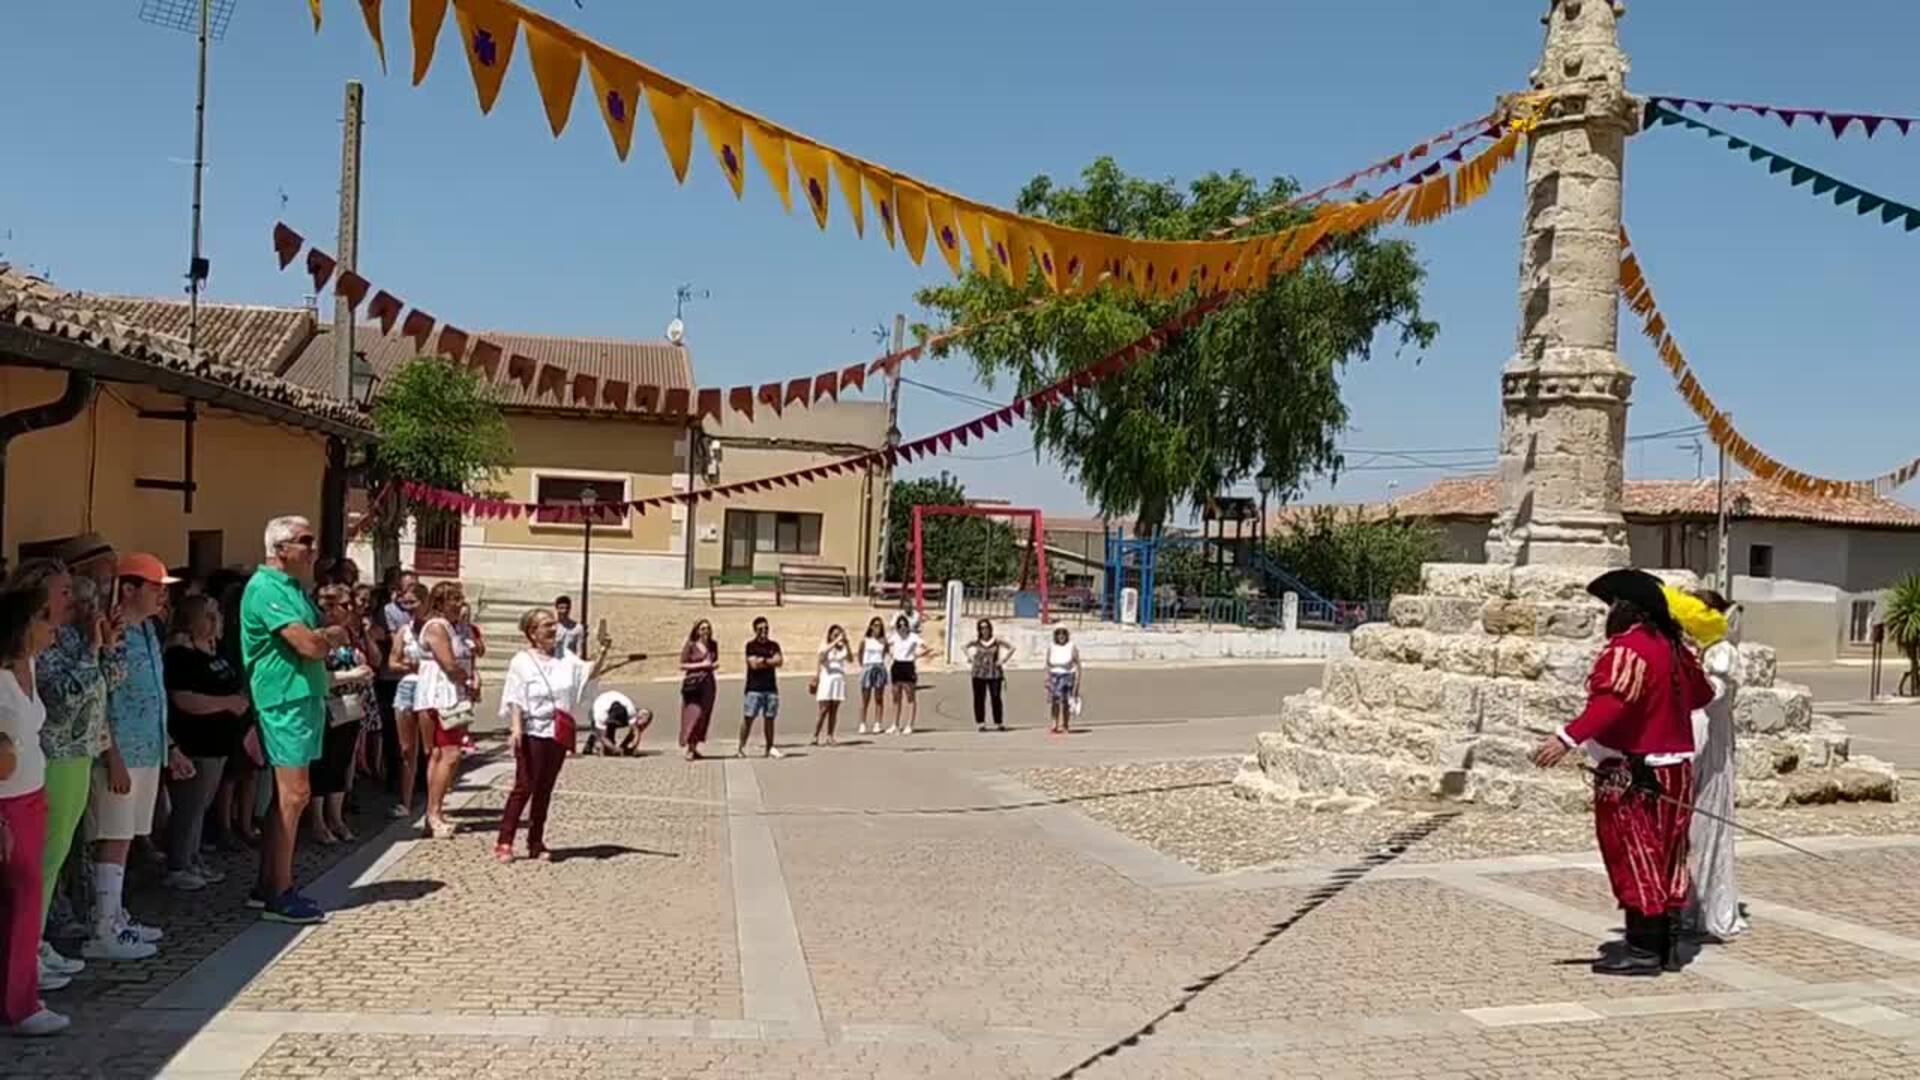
x: 946, y: 235
x: 722, y: 126
x: 556, y: 71
x: 672, y: 108
x: 771, y: 149
x: 810, y: 162
x: 912, y: 208
x: 848, y: 175
x: 487, y: 30
x: 616, y: 85
x: 370, y: 11
x: 880, y: 189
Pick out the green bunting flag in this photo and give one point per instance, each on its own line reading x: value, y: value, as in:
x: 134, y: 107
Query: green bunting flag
x: 1842, y: 193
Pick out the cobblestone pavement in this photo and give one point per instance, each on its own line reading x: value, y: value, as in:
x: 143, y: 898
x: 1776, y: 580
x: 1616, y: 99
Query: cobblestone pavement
x: 966, y: 905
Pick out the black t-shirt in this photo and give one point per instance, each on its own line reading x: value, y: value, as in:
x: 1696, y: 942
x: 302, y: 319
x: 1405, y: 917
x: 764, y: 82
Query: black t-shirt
x: 764, y: 680
x: 203, y: 734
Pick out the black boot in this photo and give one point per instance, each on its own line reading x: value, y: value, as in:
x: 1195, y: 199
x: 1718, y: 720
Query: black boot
x: 1672, y: 937
x: 1643, y: 953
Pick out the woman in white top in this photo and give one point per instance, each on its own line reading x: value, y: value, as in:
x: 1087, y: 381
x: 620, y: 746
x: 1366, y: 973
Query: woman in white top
x: 440, y: 700
x: 26, y: 630
x: 546, y: 694
x: 411, y: 731
x: 830, y: 682
x: 873, y: 675
x: 1063, y: 681
x: 906, y: 650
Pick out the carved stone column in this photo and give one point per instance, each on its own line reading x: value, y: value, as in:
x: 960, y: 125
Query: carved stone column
x: 1564, y: 394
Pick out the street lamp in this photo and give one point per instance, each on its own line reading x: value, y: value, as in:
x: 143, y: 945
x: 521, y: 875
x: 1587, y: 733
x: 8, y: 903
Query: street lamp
x: 589, y: 499
x: 361, y: 380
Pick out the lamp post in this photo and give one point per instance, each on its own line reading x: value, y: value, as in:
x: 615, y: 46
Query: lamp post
x: 361, y: 380
x: 1264, y: 484
x: 589, y: 500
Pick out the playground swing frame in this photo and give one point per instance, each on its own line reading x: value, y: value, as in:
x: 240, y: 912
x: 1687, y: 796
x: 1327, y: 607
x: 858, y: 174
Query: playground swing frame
x: 1035, y: 561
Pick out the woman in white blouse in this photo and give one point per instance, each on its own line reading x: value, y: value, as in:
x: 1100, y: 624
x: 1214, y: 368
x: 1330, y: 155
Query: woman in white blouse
x: 26, y: 629
x: 546, y: 695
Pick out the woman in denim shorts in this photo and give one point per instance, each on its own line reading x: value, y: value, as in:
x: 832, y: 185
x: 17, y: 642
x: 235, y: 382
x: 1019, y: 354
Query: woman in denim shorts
x: 873, y: 675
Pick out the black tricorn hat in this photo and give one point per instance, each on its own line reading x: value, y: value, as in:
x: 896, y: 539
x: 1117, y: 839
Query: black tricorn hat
x: 1636, y: 587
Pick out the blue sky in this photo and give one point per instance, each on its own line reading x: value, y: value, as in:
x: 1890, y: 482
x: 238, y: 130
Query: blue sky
x: 1798, y: 317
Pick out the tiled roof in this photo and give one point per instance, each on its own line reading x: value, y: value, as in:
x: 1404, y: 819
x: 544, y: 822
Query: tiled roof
x: 259, y: 337
x: 825, y: 423
x: 1476, y: 497
x: 40, y: 307
x: 637, y: 363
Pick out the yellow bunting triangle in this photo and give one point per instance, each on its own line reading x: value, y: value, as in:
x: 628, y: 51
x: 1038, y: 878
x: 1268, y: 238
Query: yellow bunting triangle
x: 771, y: 149
x: 972, y: 228
x: 1181, y: 261
x: 425, y: 19
x: 370, y: 11
x: 487, y: 30
x: 616, y: 85
x: 997, y: 254
x: 1019, y: 254
x: 556, y: 71
x: 672, y: 108
x: 880, y: 190
x: 315, y: 6
x: 848, y: 175
x: 1046, y: 248
x: 946, y: 234
x: 722, y: 126
x: 810, y: 161
x: 913, y: 217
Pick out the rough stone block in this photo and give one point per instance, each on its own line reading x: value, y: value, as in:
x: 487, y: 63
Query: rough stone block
x: 1520, y: 658
x: 1505, y: 617
x: 1578, y: 622
x: 1759, y: 794
x: 1472, y: 581
x: 1453, y: 615
x: 1408, y: 611
x: 1759, y: 665
x: 1848, y: 784
x: 1764, y: 757
x: 1770, y: 710
x: 1324, y: 727
x: 1553, y: 583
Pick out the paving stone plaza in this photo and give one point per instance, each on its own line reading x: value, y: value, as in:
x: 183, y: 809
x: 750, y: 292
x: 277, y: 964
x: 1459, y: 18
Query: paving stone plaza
x: 965, y: 905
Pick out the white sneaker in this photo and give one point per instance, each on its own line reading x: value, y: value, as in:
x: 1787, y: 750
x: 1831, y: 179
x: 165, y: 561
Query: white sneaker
x: 151, y: 935
x: 774, y: 752
x: 185, y: 880
x: 908, y: 730
x: 45, y: 1022
x: 893, y: 730
x: 208, y: 874
x: 53, y: 980
x: 52, y: 960
x: 863, y: 727
x: 123, y: 945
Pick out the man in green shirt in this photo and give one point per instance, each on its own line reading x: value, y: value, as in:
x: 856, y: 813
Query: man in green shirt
x: 284, y: 650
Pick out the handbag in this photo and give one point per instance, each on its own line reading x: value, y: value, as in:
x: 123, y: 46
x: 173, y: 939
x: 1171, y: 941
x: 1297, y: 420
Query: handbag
x: 564, y: 729
x: 347, y: 708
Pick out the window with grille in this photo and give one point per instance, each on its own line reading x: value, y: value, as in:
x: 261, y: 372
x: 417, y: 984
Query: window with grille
x: 565, y: 489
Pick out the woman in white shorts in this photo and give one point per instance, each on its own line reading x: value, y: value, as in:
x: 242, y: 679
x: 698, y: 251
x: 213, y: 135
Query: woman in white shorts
x: 873, y: 674
x: 830, y: 682
x: 408, y: 725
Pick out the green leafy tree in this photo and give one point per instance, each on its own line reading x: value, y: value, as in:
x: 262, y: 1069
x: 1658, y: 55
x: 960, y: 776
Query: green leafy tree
x: 978, y: 551
x: 1348, y: 557
x: 1253, y: 390
x: 1902, y: 622
x: 438, y: 425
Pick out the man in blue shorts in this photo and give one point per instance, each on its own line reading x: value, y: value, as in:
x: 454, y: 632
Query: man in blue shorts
x: 763, y: 686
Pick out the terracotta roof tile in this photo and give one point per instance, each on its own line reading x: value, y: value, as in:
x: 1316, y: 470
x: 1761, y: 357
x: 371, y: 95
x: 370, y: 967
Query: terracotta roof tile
x: 39, y: 306
x: 1477, y: 497
x: 259, y: 337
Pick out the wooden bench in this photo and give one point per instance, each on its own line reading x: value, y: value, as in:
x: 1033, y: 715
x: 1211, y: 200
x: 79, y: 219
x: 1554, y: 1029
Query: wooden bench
x: 741, y: 583
x: 812, y: 579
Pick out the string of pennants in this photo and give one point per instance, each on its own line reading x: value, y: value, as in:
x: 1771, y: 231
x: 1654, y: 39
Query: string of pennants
x: 486, y: 358
x: 1280, y: 253
x: 1840, y: 122
x: 1763, y: 466
x: 1864, y: 202
x: 940, y: 442
x: 907, y: 210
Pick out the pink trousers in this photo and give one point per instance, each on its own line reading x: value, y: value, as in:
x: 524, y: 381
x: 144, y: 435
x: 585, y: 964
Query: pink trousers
x: 26, y: 822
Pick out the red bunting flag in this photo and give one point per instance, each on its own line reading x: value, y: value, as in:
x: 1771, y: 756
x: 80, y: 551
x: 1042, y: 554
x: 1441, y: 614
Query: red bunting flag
x: 709, y: 403
x: 452, y: 343
x: 320, y: 267
x: 992, y: 420
x: 646, y: 398
x: 286, y: 244
x: 946, y: 440
x: 551, y: 381
x: 675, y: 402
x: 521, y: 368
x: 827, y: 385
x: 740, y: 400
x: 977, y: 428
x: 797, y: 390
x: 352, y: 288
x: 770, y: 397
x: 613, y: 394
x: 486, y: 358
x: 854, y: 375
x: 585, y: 389
x: 418, y: 326
x: 386, y: 308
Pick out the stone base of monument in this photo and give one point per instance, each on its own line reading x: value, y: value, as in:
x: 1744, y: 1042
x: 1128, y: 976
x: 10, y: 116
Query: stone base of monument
x: 1443, y: 702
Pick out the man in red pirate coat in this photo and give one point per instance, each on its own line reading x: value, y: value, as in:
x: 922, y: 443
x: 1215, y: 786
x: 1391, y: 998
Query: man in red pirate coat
x: 1637, y: 726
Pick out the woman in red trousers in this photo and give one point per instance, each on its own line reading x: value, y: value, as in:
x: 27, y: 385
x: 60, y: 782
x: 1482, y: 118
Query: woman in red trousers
x: 26, y: 629
x: 544, y: 699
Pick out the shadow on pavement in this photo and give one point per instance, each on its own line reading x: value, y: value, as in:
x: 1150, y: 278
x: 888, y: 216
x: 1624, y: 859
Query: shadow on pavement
x: 606, y: 851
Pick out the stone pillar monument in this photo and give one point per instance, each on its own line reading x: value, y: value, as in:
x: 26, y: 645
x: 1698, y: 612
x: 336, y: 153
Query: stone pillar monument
x: 1563, y: 396
x: 1446, y: 699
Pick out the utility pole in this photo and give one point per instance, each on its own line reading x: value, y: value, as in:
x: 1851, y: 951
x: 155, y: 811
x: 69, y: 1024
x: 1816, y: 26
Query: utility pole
x: 893, y: 440
x: 1720, y: 511
x: 196, y: 263
x: 349, y: 242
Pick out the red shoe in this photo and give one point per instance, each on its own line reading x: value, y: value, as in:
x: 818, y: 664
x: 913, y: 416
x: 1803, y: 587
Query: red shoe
x: 503, y: 853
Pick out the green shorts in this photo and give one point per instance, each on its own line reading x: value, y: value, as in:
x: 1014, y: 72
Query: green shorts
x: 291, y: 733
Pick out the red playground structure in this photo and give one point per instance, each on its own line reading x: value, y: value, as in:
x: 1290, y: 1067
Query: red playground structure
x: 1035, y: 563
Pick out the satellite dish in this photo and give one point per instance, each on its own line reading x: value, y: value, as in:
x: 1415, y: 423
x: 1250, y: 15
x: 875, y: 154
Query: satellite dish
x: 676, y: 331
